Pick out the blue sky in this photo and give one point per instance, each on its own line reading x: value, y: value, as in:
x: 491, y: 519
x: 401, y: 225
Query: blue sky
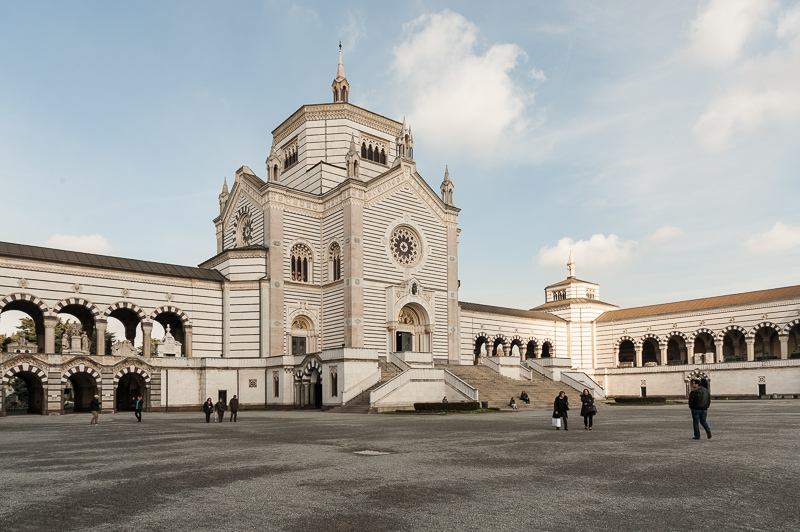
x: 657, y: 140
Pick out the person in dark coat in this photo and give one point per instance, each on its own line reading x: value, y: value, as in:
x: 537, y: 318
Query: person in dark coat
x: 137, y: 408
x: 219, y: 408
x: 94, y: 408
x: 208, y: 408
x: 560, y: 408
x: 588, y: 413
x: 699, y: 401
x: 234, y: 405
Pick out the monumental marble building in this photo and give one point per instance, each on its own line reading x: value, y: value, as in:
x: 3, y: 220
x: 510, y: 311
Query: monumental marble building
x: 335, y: 279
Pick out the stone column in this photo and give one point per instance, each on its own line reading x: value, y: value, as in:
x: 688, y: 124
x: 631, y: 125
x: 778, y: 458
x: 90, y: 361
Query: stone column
x: 50, y: 334
x: 273, y: 229
x: 638, y: 362
x: 784, y: 340
x: 662, y: 355
x: 100, y: 330
x: 353, y: 267
x: 690, y: 353
x: 720, y: 358
x: 147, y: 329
x: 226, y: 320
x: 453, y: 321
x: 751, y: 351
x: 187, y: 341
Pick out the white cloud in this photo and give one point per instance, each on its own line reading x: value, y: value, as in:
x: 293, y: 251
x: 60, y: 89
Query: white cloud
x: 463, y: 100
x: 87, y: 243
x: 537, y: 75
x: 353, y: 27
x: 780, y: 238
x: 765, y: 89
x: 663, y: 234
x: 722, y: 27
x: 599, y: 251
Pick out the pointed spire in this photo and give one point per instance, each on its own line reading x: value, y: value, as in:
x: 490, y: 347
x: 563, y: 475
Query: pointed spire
x: 447, y: 187
x: 352, y: 144
x: 570, y: 267
x: 446, y: 174
x: 225, y: 186
x: 340, y: 68
x: 340, y: 86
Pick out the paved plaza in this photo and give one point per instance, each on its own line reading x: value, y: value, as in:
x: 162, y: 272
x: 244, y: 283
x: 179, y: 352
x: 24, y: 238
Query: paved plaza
x: 638, y: 470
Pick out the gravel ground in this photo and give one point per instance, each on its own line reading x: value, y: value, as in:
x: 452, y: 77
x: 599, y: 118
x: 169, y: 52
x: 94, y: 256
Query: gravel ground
x: 638, y: 470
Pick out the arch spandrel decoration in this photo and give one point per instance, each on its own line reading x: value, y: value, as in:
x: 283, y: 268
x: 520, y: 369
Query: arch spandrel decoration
x: 698, y: 332
x: 82, y: 368
x: 132, y: 369
x: 763, y: 325
x: 12, y: 372
x: 30, y: 298
x: 670, y: 335
x: 80, y: 302
x: 127, y: 305
x: 173, y: 310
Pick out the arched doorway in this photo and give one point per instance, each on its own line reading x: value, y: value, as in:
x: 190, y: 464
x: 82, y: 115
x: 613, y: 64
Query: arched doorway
x: 480, y: 349
x: 499, y: 348
x: 412, y: 330
x: 547, y: 349
x: 676, y: 350
x: 532, y: 350
x: 26, y: 394
x: 703, y: 377
x: 627, y: 354
x: 650, y: 352
x: 308, y: 385
x: 130, y: 386
x: 80, y: 385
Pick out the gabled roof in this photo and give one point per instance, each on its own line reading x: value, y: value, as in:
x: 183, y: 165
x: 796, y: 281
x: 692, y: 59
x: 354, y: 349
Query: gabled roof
x: 575, y: 300
x: 569, y: 280
x: 489, y: 309
x: 705, y: 303
x: 105, y: 262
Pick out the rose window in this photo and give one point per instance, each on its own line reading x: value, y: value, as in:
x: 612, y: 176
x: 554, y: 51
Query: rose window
x: 405, y: 246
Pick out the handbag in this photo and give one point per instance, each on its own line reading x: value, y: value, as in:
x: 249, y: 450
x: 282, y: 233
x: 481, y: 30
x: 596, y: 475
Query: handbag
x: 591, y: 409
x: 557, y: 422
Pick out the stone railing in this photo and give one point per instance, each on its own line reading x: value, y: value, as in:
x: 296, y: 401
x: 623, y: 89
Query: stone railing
x: 772, y: 363
x: 346, y: 353
x: 416, y: 358
x: 525, y: 373
x: 580, y: 380
x: 398, y: 361
x: 361, y: 386
x: 422, y: 375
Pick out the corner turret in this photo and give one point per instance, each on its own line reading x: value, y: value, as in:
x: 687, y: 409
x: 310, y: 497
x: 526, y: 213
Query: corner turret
x: 341, y: 88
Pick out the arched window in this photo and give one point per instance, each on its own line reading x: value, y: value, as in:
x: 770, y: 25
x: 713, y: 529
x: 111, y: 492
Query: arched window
x: 334, y: 262
x: 363, y: 150
x: 301, y: 264
x: 369, y: 152
x: 383, y: 157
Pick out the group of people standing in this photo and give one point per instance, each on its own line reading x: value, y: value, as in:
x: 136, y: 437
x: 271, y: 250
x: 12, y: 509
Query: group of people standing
x: 561, y: 409
x: 219, y: 408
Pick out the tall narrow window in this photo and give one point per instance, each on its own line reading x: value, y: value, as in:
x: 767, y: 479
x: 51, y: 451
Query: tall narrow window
x: 363, y: 150
x: 334, y: 262
x: 302, y: 264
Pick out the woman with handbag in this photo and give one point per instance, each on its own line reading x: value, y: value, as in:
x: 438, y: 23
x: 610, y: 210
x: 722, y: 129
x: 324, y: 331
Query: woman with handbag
x: 560, y: 407
x: 588, y: 410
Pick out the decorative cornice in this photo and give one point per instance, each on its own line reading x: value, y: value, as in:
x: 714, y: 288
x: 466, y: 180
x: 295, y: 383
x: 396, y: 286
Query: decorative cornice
x: 334, y: 111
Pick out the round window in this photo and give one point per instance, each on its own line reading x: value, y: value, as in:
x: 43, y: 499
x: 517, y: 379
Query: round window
x: 404, y: 245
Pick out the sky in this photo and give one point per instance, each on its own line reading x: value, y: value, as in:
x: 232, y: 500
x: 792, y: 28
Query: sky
x: 658, y: 141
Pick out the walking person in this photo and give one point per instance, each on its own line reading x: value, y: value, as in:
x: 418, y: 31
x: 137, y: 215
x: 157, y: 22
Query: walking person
x: 699, y: 401
x: 588, y: 410
x: 560, y: 407
x: 219, y: 408
x: 137, y: 408
x: 94, y: 408
x: 208, y: 408
x: 234, y: 405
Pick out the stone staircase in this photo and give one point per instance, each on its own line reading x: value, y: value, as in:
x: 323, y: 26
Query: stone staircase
x: 498, y: 390
x: 360, y: 403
